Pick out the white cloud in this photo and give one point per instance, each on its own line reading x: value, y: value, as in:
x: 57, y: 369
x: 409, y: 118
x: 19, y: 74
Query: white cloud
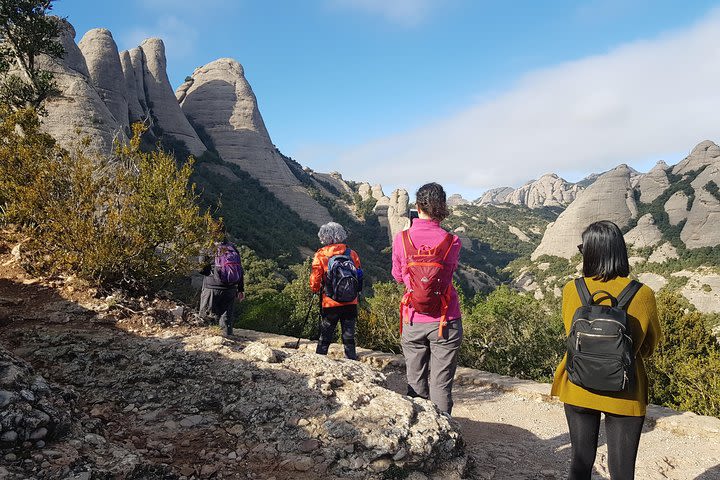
x: 636, y: 102
x: 403, y: 12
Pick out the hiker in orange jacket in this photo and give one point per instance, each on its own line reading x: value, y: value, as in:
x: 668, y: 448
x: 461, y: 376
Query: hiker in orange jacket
x: 338, y: 287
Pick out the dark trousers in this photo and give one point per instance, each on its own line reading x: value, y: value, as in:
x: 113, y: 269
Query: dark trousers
x: 347, y: 316
x: 623, y: 438
x: 219, y: 304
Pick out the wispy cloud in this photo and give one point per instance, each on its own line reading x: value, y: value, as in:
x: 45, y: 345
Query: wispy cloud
x: 635, y: 102
x: 404, y: 12
x: 178, y: 36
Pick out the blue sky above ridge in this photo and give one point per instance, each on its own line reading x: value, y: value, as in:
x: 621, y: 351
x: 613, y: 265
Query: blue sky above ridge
x: 474, y: 94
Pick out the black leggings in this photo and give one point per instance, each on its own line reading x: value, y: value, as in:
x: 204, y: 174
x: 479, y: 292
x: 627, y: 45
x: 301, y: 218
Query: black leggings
x: 623, y: 437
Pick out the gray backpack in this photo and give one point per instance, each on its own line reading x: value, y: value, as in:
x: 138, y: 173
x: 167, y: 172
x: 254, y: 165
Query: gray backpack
x: 600, y: 353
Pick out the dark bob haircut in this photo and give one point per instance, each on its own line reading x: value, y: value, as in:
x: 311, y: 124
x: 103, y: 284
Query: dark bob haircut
x: 604, y: 252
x: 430, y: 198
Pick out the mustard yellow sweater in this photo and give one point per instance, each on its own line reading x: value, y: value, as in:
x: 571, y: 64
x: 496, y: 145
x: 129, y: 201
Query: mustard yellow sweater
x: 642, y: 313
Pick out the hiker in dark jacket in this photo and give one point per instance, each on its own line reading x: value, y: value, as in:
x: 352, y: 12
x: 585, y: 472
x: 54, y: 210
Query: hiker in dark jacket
x: 217, y: 299
x: 332, y: 235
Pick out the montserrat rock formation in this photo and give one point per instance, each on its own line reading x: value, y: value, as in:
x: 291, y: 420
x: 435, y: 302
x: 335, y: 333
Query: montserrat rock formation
x: 701, y: 227
x: 610, y: 197
x: 393, y: 212
x: 106, y: 73
x: 654, y: 183
x: 218, y: 98
x: 158, y: 95
x: 456, y: 199
x: 548, y: 191
x: 495, y: 196
x: 78, y: 107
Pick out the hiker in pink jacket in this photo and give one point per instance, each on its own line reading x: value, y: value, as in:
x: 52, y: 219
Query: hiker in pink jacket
x: 424, y: 258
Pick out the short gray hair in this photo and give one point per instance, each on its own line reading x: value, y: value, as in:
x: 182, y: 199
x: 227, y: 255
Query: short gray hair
x: 332, y: 233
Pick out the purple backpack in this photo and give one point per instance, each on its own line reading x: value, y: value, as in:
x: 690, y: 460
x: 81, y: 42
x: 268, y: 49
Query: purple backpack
x: 228, y: 268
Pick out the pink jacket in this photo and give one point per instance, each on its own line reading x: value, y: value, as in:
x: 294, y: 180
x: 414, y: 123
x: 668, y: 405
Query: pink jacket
x: 427, y: 233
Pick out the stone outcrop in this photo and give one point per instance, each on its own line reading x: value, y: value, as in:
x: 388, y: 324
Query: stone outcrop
x: 335, y: 179
x: 365, y: 191
x: 161, y: 100
x: 676, y: 207
x: 377, y: 192
x: 645, y: 233
x: 663, y: 253
x: 218, y: 98
x: 702, y: 228
x: 78, y: 107
x: 548, y: 191
x: 456, y: 199
x: 653, y: 280
x: 652, y: 184
x: 705, y: 153
x: 393, y: 212
x: 136, y: 112
x: 610, y: 197
x: 494, y: 196
x: 703, y: 291
x: 106, y: 72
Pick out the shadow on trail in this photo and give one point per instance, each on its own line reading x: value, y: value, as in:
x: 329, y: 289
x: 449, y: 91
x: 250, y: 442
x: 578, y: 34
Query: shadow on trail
x: 169, y: 404
x: 712, y: 474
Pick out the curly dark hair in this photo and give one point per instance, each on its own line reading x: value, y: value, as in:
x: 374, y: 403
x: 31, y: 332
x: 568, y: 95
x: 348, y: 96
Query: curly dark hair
x: 430, y: 198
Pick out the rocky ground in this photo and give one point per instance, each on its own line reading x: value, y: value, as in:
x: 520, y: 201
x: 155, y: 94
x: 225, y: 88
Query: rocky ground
x: 108, y: 387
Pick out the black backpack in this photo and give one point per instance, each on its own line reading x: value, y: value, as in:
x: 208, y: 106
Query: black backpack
x: 600, y: 353
x: 342, y: 283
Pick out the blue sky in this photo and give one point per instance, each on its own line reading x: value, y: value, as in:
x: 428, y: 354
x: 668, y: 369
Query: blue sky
x: 475, y: 94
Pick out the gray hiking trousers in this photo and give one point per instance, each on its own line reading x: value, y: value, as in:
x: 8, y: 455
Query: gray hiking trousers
x: 220, y: 305
x: 431, y: 361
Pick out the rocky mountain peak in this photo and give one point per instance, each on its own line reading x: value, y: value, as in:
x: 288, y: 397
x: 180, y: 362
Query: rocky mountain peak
x: 218, y: 99
x: 106, y: 72
x: 705, y: 153
x: 610, y: 197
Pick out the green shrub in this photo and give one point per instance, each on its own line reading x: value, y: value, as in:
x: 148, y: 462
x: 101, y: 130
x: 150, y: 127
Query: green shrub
x: 684, y: 372
x: 378, y: 324
x: 512, y: 334
x: 133, y: 221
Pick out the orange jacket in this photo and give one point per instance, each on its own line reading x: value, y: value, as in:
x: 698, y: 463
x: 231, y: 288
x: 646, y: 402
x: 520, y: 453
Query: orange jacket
x: 319, y: 270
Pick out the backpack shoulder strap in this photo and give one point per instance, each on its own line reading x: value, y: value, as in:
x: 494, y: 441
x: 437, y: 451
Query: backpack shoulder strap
x: 628, y: 293
x: 408, y: 247
x: 445, y: 245
x: 583, y: 291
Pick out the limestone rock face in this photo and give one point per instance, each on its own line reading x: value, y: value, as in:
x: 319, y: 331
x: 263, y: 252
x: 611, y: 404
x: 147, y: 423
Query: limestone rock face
x: 703, y: 291
x: 654, y: 183
x: 137, y: 61
x: 663, y: 253
x: 610, y: 197
x: 456, y: 199
x: 135, y: 110
x: 702, y: 228
x: 78, y: 107
x: 365, y: 191
x: 162, y: 102
x: 548, y: 191
x: 393, y: 212
x: 377, y: 192
x: 645, y: 233
x: 495, y: 196
x: 705, y: 153
x: 653, y: 280
x: 676, y: 207
x: 335, y: 179
x: 218, y: 98
x: 106, y: 72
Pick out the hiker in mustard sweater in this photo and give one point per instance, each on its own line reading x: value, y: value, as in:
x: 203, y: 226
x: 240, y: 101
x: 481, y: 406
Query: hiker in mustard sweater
x: 606, y: 267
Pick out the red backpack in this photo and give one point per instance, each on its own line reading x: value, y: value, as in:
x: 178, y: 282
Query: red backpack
x: 429, y: 292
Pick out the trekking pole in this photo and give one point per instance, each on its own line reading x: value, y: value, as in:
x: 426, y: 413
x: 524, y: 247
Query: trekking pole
x: 296, y: 345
